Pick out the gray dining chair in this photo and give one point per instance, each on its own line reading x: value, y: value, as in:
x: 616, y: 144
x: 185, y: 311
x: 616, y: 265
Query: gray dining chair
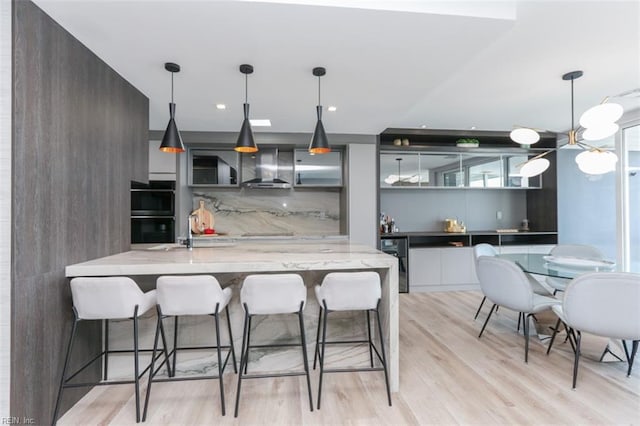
x: 505, y: 284
x: 604, y: 304
x: 571, y: 250
x: 482, y: 249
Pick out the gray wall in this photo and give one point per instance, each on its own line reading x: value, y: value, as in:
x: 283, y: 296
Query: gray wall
x: 80, y: 136
x: 362, y: 188
x: 426, y: 209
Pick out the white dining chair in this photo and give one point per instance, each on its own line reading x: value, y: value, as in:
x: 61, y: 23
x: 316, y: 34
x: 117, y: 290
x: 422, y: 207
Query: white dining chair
x: 482, y: 249
x: 506, y: 285
x: 604, y: 304
x: 571, y: 250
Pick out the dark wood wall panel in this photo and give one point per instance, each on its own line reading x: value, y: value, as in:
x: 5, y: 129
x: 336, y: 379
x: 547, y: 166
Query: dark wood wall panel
x: 542, y: 204
x: 80, y: 136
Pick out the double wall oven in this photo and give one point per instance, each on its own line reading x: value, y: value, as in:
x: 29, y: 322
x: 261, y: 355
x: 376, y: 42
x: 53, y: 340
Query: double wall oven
x: 153, y: 212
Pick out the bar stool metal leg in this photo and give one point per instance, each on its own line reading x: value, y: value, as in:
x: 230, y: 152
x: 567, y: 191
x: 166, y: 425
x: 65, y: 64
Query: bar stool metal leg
x: 233, y: 351
x: 243, y: 358
x: 66, y: 365
x: 384, y: 356
x: 135, y: 362
x: 220, y: 370
x: 324, y: 341
x: 175, y: 342
x: 246, y: 364
x: 369, y: 336
x: 315, y: 352
x: 152, y: 368
x: 303, y: 341
x: 106, y: 350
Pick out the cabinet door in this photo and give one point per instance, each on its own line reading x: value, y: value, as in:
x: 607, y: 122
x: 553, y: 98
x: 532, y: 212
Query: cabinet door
x: 424, y: 267
x: 457, y: 266
x: 162, y: 165
x: 318, y: 170
x: 209, y: 167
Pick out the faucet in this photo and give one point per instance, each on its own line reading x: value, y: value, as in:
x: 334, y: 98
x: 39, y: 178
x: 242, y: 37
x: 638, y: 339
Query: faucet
x: 189, y: 241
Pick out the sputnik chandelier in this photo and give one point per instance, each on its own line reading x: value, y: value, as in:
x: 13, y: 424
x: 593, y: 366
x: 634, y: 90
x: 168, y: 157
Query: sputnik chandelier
x: 598, y: 122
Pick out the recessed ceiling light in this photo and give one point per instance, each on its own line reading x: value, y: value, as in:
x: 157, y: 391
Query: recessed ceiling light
x: 221, y: 106
x: 424, y: 126
x: 332, y: 108
x: 473, y: 127
x: 260, y: 122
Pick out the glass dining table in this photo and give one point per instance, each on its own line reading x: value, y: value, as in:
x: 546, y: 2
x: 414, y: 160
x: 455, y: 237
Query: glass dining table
x: 568, y: 268
x: 555, y: 266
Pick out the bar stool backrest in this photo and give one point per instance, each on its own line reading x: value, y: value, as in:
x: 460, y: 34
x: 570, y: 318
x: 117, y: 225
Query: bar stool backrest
x: 273, y: 294
x: 605, y: 304
x: 347, y: 291
x: 189, y: 295
x: 107, y: 297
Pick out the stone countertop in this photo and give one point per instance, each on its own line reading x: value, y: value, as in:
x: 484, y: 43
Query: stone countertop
x: 237, y: 256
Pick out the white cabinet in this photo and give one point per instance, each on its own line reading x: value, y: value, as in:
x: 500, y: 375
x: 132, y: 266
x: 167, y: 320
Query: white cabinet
x: 425, y: 267
x: 457, y: 266
x: 453, y: 268
x: 162, y: 165
x: 441, y: 268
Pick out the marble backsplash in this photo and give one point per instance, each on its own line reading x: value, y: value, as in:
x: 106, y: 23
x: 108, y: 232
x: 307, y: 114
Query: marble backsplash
x: 272, y: 211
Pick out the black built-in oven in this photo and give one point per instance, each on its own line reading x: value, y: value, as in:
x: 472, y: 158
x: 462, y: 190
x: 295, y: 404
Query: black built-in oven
x: 153, y: 212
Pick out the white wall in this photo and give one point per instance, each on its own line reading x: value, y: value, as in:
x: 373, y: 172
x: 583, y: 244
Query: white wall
x: 5, y: 202
x: 362, y: 182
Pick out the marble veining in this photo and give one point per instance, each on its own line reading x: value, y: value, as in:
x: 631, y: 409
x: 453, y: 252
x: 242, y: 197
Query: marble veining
x: 278, y: 211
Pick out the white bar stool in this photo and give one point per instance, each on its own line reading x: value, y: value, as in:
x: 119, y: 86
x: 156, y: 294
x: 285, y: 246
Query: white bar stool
x: 350, y: 291
x: 105, y: 298
x: 269, y: 295
x: 191, y: 295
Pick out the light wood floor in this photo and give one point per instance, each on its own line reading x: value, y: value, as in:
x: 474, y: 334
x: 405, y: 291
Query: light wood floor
x: 447, y: 376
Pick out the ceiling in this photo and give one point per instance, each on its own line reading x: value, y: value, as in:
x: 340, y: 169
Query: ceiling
x: 443, y: 65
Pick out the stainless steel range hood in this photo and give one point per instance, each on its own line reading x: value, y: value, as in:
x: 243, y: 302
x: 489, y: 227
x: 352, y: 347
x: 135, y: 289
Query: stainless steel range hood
x: 267, y: 171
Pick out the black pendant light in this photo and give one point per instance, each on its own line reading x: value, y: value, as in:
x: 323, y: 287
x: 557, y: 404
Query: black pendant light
x: 171, y: 141
x: 319, y: 143
x: 246, y: 143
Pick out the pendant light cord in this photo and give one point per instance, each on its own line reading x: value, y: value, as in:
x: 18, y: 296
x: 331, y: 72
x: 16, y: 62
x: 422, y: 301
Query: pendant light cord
x: 172, y: 87
x: 246, y: 88
x: 319, y: 103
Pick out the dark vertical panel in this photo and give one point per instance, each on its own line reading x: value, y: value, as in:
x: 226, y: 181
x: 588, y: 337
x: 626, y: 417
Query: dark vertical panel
x: 542, y: 210
x: 80, y: 137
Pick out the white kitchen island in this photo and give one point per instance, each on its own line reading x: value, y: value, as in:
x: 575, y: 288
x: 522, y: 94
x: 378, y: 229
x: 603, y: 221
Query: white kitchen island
x: 231, y: 261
